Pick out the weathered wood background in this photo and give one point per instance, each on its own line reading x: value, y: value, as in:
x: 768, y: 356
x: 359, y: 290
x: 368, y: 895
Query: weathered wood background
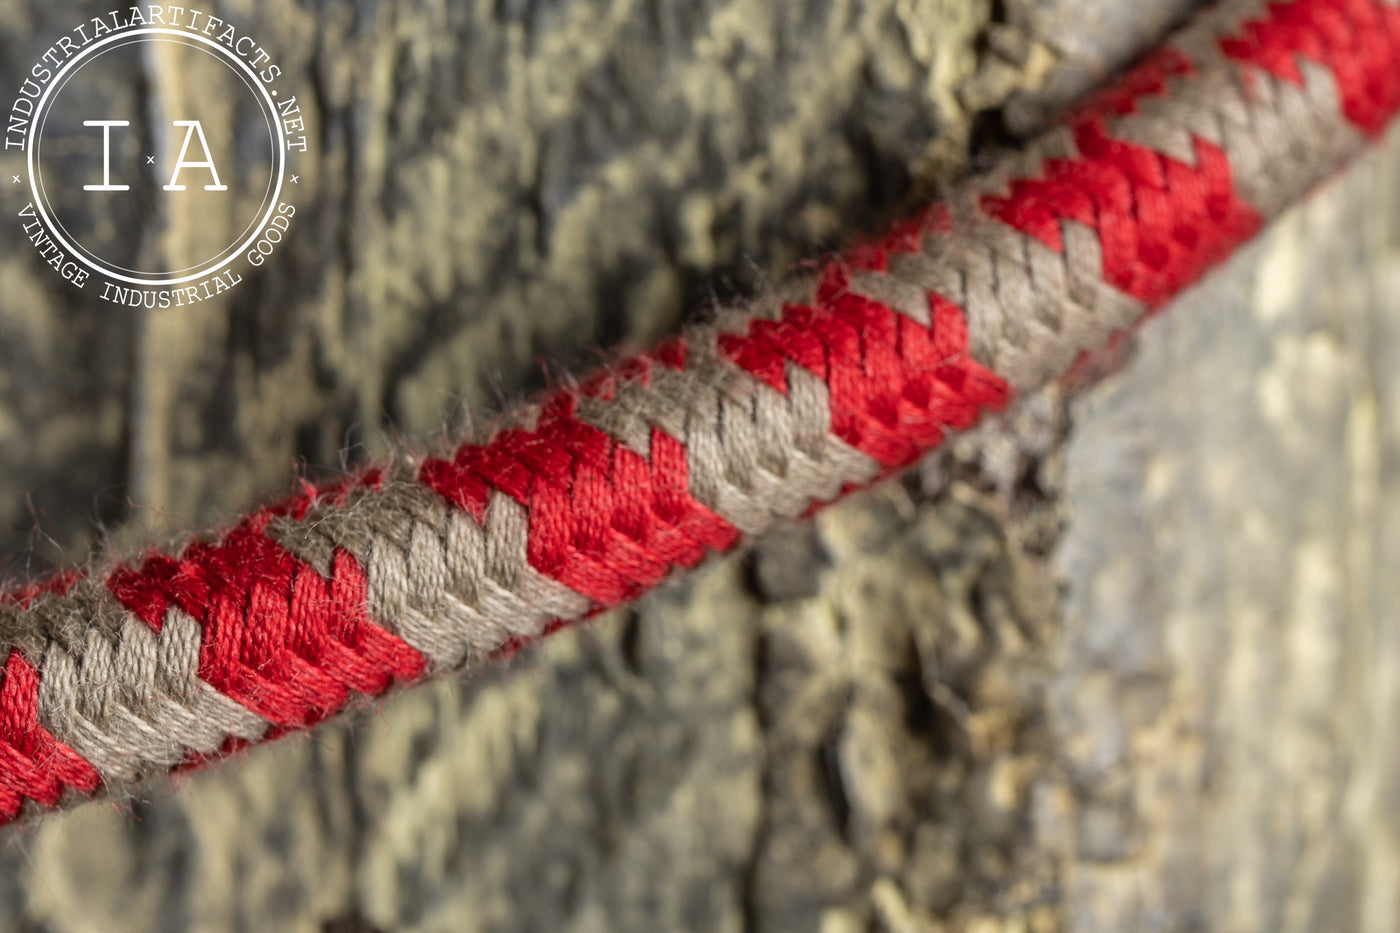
x: 1122, y: 662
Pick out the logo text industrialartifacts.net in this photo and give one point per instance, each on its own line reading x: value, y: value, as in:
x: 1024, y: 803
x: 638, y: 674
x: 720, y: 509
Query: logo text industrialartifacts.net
x: 158, y: 144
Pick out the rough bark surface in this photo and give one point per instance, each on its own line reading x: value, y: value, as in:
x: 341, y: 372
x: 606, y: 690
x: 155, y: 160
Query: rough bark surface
x: 1120, y: 663
x: 1226, y: 691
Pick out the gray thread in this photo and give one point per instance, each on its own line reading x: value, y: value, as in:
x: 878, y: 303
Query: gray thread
x: 129, y: 700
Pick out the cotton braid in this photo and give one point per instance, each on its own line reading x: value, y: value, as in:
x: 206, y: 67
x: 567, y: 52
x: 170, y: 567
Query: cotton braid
x: 593, y: 495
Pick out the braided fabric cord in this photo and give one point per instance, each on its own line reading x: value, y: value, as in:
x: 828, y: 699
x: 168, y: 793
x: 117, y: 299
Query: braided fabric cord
x: 590, y: 497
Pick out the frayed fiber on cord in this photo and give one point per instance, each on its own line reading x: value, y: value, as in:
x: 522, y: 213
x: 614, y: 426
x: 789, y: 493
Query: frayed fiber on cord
x: 597, y: 493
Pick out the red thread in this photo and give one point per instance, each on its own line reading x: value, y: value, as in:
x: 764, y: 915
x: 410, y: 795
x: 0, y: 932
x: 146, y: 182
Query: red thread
x: 32, y: 762
x: 57, y: 583
x: 895, y: 385
x: 278, y: 637
x: 1151, y: 78
x: 1160, y: 222
x: 904, y: 237
x: 1354, y: 39
x: 603, y: 520
x: 291, y: 644
x: 669, y: 353
x: 193, y: 760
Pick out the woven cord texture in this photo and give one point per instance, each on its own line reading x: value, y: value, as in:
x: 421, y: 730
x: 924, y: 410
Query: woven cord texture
x: 588, y: 498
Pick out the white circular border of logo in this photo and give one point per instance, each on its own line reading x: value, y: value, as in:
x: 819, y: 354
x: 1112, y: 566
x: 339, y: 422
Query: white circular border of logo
x: 53, y: 228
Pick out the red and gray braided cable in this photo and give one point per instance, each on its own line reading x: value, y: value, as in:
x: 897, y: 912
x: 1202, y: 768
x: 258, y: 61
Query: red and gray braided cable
x: 589, y: 497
